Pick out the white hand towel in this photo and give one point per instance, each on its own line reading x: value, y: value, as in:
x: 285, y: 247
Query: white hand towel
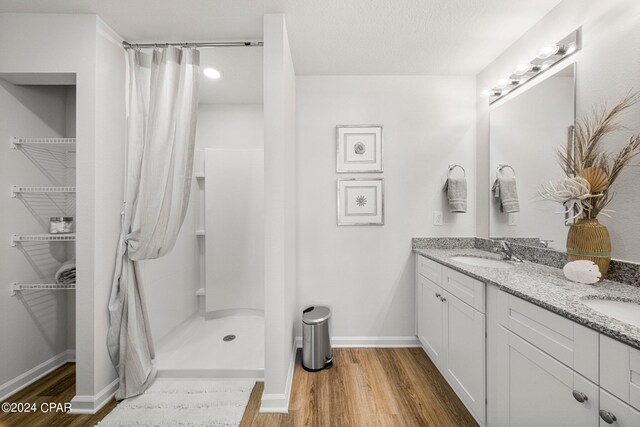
x: 505, y: 189
x: 456, y: 189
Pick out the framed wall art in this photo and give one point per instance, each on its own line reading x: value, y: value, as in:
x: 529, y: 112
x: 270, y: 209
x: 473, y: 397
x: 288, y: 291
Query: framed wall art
x: 358, y: 148
x: 361, y: 201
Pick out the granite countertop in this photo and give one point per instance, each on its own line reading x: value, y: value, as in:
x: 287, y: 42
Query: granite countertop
x: 548, y: 288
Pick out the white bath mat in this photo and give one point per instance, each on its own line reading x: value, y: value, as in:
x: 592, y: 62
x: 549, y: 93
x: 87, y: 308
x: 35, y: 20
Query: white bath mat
x: 184, y: 403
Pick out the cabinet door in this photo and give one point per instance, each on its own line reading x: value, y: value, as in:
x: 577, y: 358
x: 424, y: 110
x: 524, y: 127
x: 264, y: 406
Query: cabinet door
x: 465, y: 354
x: 533, y: 389
x: 616, y: 413
x: 432, y: 319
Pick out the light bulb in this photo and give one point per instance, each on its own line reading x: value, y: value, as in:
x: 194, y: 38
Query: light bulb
x: 212, y: 73
x: 570, y: 49
x: 547, y: 51
x: 522, y: 69
x: 502, y: 83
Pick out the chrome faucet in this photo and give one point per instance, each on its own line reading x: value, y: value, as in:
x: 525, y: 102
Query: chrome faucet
x: 507, y: 252
x: 545, y: 243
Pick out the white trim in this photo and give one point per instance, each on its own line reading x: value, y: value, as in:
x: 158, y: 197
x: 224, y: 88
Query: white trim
x: 408, y: 341
x: 279, y: 402
x: 257, y: 373
x: 13, y: 386
x: 92, y: 404
x: 217, y: 314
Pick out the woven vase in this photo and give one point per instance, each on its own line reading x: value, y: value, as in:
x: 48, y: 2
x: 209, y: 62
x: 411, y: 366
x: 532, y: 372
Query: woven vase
x: 588, y: 239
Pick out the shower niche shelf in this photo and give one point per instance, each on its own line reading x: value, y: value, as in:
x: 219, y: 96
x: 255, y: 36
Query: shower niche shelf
x: 19, y: 287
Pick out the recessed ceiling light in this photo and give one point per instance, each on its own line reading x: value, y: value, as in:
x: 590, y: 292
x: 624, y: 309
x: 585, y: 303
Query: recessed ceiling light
x: 212, y: 73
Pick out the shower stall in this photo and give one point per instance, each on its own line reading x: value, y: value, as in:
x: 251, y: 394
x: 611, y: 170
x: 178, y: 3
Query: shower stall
x: 206, y: 298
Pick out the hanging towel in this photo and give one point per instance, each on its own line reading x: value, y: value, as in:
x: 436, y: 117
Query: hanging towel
x: 66, y: 274
x: 456, y: 189
x: 505, y: 190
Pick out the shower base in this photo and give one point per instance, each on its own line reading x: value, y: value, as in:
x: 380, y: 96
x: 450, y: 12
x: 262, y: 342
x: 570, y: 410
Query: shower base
x: 197, y: 348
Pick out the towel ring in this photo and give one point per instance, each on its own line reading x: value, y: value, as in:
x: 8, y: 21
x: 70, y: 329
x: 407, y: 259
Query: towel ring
x: 453, y: 166
x: 500, y: 167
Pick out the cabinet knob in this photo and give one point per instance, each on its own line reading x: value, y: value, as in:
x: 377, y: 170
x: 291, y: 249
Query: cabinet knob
x: 607, y: 416
x: 438, y: 295
x: 443, y: 299
x: 580, y: 396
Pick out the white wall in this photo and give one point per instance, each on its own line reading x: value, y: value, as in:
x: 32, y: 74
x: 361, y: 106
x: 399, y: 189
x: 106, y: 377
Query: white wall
x: 234, y: 229
x: 230, y: 126
x: 366, y: 273
x: 41, y: 43
x: 607, y: 68
x: 224, y: 126
x: 280, y: 214
x: 35, y: 325
x: 109, y: 183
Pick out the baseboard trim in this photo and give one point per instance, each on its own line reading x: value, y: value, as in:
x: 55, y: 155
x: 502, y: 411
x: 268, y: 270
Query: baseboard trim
x: 24, y: 380
x: 92, y: 404
x: 408, y: 341
x: 279, y: 402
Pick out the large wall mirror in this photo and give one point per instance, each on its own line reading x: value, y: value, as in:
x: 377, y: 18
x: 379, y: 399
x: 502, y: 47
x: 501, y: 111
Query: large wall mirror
x: 526, y: 130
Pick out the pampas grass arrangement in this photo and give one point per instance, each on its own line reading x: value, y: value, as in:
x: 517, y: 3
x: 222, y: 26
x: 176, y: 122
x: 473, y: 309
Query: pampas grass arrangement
x: 590, y: 169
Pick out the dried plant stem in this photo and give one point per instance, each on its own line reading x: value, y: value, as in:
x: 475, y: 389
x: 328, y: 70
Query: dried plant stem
x: 588, y: 150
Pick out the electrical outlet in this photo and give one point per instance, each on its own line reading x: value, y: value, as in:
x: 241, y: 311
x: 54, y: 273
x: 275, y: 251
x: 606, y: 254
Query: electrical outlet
x: 513, y: 219
x: 437, y: 217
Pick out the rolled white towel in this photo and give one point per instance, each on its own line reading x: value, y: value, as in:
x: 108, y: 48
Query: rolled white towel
x: 66, y: 274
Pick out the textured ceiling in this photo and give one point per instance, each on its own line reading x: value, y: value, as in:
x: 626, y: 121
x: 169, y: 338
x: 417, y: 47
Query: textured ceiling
x: 352, y: 37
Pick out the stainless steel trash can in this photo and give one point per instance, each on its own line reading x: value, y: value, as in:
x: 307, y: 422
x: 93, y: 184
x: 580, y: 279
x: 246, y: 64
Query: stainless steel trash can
x: 316, y: 344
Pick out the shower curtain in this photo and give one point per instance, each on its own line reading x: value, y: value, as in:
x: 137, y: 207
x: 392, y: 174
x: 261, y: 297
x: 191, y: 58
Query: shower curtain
x: 161, y: 124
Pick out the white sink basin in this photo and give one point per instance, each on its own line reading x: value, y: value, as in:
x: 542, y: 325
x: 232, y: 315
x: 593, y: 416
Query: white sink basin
x: 624, y: 311
x: 481, y: 262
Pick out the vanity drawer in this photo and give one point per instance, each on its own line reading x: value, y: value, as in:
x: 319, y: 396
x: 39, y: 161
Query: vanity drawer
x: 429, y: 269
x: 466, y: 288
x: 569, y: 342
x: 620, y: 370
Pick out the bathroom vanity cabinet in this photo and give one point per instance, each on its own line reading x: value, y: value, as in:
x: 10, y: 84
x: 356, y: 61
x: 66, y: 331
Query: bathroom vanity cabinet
x: 543, y: 367
x: 539, y: 367
x: 451, y: 328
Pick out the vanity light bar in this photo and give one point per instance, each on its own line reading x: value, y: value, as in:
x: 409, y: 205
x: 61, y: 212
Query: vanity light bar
x: 547, y: 57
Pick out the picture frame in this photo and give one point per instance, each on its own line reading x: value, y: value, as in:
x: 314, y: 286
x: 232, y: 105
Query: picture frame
x: 360, y: 201
x: 359, y: 148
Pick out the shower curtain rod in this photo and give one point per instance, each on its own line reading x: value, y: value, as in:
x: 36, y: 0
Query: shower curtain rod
x: 128, y: 45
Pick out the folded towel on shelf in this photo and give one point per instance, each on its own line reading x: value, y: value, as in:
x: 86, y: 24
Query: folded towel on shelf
x: 66, y: 274
x: 456, y: 189
x: 506, y: 191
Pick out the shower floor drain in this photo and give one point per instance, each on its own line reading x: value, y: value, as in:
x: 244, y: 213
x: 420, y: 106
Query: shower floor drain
x: 229, y: 338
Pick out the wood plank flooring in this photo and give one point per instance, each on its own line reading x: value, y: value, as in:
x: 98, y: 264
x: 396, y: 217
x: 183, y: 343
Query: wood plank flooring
x: 367, y: 387
x: 57, y: 387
